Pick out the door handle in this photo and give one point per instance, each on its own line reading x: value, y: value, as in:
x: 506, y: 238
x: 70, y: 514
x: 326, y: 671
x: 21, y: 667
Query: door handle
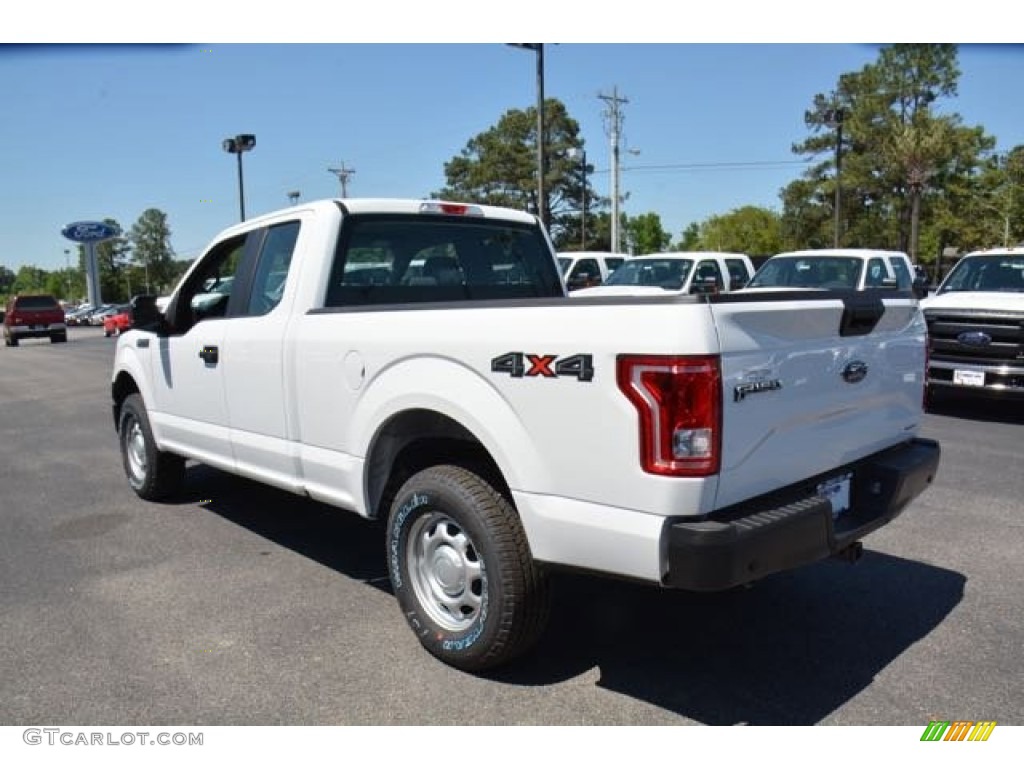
x: 210, y: 355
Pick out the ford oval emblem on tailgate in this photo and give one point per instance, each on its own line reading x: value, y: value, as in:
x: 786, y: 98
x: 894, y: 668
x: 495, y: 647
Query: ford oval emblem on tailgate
x: 854, y: 371
x: 974, y: 339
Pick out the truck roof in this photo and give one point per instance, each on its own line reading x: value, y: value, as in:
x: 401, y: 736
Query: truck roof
x: 401, y: 205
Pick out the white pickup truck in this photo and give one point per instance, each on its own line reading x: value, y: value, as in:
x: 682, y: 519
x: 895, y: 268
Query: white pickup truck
x: 421, y: 362
x: 976, y: 327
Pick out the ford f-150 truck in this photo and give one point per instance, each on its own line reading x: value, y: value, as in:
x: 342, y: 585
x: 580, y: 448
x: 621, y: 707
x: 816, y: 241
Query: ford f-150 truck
x: 976, y: 327
x: 420, y: 362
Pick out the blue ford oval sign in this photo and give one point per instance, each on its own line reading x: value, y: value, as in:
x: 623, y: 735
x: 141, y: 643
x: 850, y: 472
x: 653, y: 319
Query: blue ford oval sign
x: 974, y: 339
x: 89, y: 231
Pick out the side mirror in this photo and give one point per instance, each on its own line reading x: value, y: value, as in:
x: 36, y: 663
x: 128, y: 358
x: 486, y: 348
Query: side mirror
x: 920, y: 287
x: 144, y: 314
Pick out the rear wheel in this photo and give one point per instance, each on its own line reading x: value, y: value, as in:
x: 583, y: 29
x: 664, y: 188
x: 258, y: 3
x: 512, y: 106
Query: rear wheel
x: 153, y: 474
x: 11, y: 340
x: 462, y: 571
x: 59, y: 338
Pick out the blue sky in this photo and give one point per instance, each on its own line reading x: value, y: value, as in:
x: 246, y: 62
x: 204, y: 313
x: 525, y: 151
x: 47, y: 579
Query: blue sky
x: 107, y: 131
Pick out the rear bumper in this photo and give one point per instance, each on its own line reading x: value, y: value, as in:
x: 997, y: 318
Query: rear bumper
x: 794, y: 527
x: 36, y: 331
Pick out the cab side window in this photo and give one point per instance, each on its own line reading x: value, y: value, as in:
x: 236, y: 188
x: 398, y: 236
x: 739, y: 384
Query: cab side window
x: 903, y: 278
x: 209, y: 289
x: 738, y: 275
x: 707, y: 274
x: 876, y: 274
x: 585, y: 274
x: 272, y: 268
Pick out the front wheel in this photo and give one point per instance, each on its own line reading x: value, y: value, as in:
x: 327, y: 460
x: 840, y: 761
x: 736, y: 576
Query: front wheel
x: 153, y: 474
x: 461, y: 569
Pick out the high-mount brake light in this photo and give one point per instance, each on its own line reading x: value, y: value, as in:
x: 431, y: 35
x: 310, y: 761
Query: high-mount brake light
x: 452, y: 209
x: 679, y: 400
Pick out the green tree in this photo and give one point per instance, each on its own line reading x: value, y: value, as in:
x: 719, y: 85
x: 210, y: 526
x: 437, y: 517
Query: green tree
x: 29, y: 279
x: 645, y: 234
x: 900, y: 155
x: 750, y: 229
x: 7, y: 278
x: 690, y: 239
x: 152, y: 254
x: 499, y: 167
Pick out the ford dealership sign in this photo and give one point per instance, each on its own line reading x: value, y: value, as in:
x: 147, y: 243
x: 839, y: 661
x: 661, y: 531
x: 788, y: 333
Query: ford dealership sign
x: 89, y: 231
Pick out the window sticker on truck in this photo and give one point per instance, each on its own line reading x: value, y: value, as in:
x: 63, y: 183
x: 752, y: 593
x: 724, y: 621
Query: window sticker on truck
x: 579, y: 367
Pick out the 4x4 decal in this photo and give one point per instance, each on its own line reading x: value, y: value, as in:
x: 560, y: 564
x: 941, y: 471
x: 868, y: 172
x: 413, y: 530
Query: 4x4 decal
x: 579, y: 367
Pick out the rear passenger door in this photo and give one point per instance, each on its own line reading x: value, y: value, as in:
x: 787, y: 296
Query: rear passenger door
x: 253, y: 359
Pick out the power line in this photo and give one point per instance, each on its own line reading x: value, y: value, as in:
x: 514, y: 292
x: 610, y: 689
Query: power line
x: 715, y: 166
x: 343, y: 175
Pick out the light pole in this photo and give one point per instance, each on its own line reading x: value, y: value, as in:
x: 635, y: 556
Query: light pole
x: 1006, y: 221
x: 293, y: 196
x: 834, y: 117
x: 542, y: 203
x: 572, y: 153
x: 243, y: 142
x: 67, y: 269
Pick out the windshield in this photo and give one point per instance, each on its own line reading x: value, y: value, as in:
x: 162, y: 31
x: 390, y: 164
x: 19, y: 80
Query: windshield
x: 831, y: 272
x: 987, y: 273
x: 669, y: 274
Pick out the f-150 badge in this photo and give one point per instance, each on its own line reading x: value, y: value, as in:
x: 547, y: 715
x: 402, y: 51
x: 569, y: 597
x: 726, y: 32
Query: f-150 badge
x: 740, y: 391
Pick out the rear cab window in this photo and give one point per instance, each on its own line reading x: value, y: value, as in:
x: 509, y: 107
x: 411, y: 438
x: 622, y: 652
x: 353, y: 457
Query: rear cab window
x: 412, y: 258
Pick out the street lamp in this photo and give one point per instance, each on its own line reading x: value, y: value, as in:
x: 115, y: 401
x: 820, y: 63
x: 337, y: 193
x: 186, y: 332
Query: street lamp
x: 293, y: 196
x: 243, y: 142
x: 834, y: 117
x: 542, y: 204
x: 582, y: 153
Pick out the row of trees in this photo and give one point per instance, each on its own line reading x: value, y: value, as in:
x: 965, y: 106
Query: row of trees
x: 912, y: 176
x: 141, y: 261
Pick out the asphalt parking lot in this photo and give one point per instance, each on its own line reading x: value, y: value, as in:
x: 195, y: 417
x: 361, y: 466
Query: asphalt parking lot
x: 239, y: 604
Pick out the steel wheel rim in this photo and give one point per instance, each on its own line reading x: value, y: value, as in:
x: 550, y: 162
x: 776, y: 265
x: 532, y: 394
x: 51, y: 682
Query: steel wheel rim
x: 135, y: 449
x: 445, y: 571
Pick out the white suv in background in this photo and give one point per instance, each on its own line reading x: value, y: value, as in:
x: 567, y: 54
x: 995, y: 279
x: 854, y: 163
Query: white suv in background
x: 680, y: 272
x: 852, y: 269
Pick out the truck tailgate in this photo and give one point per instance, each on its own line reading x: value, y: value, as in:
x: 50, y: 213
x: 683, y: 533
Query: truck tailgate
x: 811, y: 385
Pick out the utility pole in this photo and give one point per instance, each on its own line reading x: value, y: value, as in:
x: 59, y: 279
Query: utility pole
x: 343, y: 175
x: 834, y: 118
x: 613, y: 116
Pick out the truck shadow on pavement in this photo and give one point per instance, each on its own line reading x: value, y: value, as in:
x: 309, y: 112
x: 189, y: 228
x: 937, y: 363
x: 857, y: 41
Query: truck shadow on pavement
x: 789, y: 650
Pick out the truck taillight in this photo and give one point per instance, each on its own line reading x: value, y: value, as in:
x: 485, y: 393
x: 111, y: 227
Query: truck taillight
x: 679, y: 400
x: 451, y: 209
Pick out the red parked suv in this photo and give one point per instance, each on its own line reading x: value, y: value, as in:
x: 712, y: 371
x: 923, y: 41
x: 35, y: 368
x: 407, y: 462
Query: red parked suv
x: 28, y: 317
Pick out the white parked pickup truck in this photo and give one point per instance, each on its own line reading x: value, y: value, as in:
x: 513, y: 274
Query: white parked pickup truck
x: 503, y: 429
x: 976, y: 327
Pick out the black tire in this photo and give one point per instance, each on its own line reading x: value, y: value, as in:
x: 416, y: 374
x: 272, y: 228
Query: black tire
x: 152, y: 474
x: 462, y: 571
x: 11, y: 341
x: 58, y: 338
